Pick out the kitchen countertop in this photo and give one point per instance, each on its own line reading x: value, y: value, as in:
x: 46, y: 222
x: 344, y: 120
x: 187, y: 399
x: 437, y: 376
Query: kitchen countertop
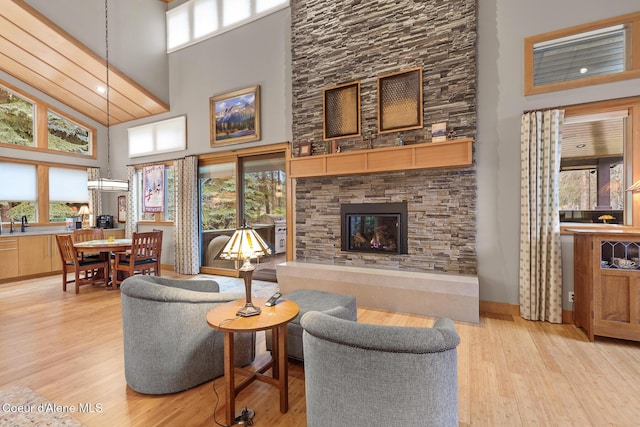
x: 37, y: 231
x: 34, y: 232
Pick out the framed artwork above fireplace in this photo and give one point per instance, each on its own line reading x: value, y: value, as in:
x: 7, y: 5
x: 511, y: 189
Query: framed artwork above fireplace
x: 341, y: 111
x: 400, y: 101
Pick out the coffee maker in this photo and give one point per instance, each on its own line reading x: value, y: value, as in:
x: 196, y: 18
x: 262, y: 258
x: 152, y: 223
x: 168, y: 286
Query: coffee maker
x: 104, y: 221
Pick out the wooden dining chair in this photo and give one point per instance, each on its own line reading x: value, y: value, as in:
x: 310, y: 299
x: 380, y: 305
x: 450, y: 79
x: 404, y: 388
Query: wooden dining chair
x: 86, y: 234
x: 87, y: 271
x: 144, y: 256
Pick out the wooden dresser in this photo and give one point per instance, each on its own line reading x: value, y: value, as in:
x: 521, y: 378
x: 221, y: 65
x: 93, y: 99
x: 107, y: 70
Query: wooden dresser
x: 607, y: 282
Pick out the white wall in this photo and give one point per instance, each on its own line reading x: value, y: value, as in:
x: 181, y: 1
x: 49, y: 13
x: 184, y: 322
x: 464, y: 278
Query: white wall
x: 255, y: 54
x: 502, y: 27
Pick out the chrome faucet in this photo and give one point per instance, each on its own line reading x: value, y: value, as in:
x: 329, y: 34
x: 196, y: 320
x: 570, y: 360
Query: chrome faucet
x: 11, y: 226
x: 24, y: 223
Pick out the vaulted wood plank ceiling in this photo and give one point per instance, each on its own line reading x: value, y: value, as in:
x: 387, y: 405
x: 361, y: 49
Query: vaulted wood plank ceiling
x: 36, y: 51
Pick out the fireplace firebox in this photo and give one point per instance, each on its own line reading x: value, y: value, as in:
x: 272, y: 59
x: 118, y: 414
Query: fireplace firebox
x: 374, y: 227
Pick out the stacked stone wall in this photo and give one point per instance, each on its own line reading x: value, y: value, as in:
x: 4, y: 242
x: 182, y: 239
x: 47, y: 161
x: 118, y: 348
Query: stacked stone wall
x: 336, y: 42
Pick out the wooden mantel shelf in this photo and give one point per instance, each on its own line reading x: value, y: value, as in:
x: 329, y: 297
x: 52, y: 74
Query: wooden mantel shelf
x: 427, y: 155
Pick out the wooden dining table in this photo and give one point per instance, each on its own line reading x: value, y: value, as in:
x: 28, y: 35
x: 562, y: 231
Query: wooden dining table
x: 107, y: 247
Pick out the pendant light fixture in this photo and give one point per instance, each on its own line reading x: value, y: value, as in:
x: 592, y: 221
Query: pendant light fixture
x: 108, y: 184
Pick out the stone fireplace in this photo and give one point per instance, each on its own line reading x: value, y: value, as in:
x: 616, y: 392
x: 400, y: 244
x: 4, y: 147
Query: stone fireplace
x: 374, y: 227
x: 360, y: 43
x: 441, y: 206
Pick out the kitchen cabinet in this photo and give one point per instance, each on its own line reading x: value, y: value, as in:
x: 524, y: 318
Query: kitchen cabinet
x: 607, y: 283
x: 8, y: 257
x: 56, y: 260
x: 23, y: 254
x: 34, y: 254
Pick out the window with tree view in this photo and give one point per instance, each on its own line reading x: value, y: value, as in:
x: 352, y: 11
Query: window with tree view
x: 218, y: 197
x: 263, y: 187
x: 16, y: 119
x: 592, y: 181
x: 218, y: 211
x: 67, y: 136
x: 57, y: 132
x: 247, y: 190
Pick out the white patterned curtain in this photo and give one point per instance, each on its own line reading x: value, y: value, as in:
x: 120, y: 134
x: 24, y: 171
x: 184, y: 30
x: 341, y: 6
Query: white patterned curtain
x: 540, y: 260
x: 186, y: 233
x: 95, y: 197
x: 131, y: 225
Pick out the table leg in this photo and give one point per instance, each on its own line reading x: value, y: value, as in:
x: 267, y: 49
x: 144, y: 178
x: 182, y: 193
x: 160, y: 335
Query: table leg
x: 109, y: 280
x: 275, y: 351
x: 283, y: 374
x: 230, y: 389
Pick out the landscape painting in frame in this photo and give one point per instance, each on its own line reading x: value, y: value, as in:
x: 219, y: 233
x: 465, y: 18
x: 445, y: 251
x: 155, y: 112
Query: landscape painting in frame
x: 235, y: 116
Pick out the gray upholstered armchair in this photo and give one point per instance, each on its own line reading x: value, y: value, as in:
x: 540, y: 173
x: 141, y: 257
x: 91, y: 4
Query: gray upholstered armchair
x: 360, y: 374
x: 168, y: 345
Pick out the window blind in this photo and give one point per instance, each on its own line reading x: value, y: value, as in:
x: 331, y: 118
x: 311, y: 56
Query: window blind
x: 19, y: 182
x: 585, y: 55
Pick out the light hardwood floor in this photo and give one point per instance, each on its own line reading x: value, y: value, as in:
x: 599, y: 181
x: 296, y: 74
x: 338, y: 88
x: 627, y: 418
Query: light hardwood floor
x: 512, y: 372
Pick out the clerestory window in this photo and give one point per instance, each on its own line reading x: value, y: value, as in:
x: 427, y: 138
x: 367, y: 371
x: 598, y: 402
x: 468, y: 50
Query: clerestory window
x: 22, y: 115
x: 588, y: 54
x: 198, y: 20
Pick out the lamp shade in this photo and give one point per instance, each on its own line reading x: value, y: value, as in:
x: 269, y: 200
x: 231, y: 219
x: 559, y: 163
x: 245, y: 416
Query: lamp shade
x: 107, y: 184
x: 245, y: 244
x: 84, y: 210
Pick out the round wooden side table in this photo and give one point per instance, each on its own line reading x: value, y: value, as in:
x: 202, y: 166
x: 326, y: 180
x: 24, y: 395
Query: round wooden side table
x: 223, y: 317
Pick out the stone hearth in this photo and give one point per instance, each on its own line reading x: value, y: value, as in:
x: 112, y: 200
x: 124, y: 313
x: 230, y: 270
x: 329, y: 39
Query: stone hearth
x: 455, y: 296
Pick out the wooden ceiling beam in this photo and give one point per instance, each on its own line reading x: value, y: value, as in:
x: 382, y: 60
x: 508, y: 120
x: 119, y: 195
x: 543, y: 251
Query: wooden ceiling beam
x: 41, y: 54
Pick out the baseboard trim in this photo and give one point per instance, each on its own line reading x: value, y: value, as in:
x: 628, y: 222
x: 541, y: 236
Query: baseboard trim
x: 500, y: 308
x: 567, y: 317
x: 504, y: 309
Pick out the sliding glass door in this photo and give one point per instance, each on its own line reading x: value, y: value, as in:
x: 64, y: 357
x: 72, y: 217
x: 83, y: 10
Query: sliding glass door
x: 218, y: 212
x: 263, y: 205
x: 245, y: 189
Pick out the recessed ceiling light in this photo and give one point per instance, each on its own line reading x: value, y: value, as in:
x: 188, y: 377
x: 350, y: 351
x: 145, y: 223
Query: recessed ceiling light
x: 583, y: 70
x: 581, y: 145
x: 101, y: 89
